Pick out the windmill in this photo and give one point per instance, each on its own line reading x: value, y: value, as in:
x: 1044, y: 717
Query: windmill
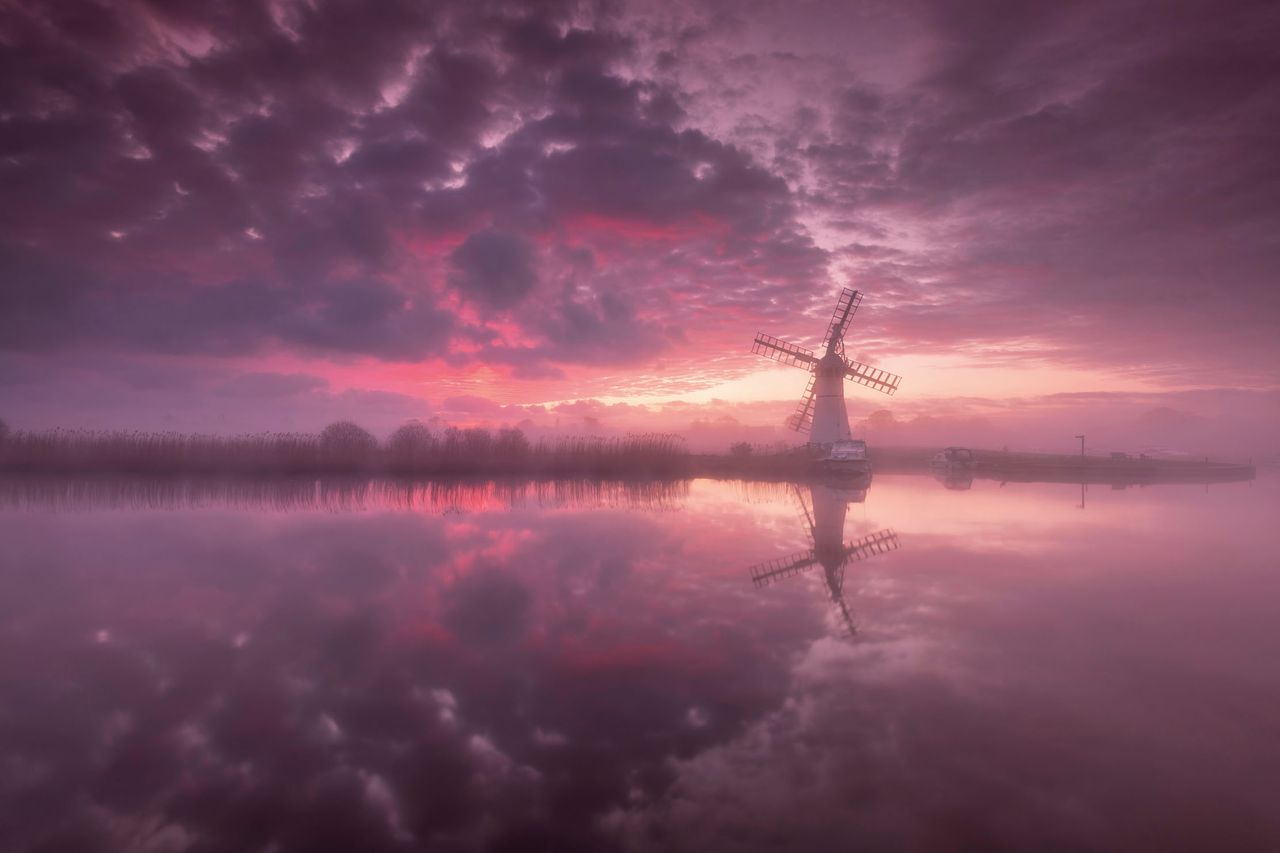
x: 826, y: 530
x: 821, y: 411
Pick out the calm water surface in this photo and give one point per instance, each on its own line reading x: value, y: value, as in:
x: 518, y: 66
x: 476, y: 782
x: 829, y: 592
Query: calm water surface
x: 706, y: 666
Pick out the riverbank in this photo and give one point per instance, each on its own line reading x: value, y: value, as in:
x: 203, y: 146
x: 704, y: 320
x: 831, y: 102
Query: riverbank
x: 344, y: 449
x: 990, y: 464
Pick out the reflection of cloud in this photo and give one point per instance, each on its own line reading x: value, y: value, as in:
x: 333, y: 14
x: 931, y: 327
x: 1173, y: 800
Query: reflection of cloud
x: 487, y: 607
x: 382, y: 798
x: 838, y: 764
x: 987, y: 706
x: 545, y: 737
x: 351, y: 718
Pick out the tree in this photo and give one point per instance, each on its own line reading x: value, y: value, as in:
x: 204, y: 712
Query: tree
x: 346, y: 442
x: 880, y: 419
x: 511, y: 444
x: 411, y: 442
x: 4, y: 432
x: 880, y: 423
x: 740, y: 449
x: 452, y: 441
x: 477, y: 442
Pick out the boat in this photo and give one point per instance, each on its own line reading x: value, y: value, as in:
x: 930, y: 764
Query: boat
x: 954, y: 459
x: 847, y: 457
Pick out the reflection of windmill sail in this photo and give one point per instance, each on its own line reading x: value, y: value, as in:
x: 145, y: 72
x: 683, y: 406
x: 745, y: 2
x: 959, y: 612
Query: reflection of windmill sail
x: 780, y: 568
x: 825, y: 525
x: 771, y: 571
x: 805, y: 515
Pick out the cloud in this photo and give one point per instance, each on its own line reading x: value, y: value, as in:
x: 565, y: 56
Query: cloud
x: 493, y: 268
x: 221, y: 182
x: 1074, y: 198
x: 270, y: 385
x: 569, y: 194
x: 310, y: 707
x: 188, y: 395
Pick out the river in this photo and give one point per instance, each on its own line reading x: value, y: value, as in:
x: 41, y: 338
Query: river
x: 692, y: 666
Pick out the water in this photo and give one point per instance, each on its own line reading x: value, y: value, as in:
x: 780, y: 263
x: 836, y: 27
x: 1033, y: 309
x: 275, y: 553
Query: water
x: 521, y: 666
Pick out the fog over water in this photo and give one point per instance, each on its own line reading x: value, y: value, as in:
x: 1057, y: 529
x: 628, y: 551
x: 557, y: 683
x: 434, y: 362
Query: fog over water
x: 564, y: 666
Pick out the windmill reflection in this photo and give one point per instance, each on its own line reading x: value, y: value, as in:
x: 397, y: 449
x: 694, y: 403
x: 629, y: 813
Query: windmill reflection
x: 823, y: 516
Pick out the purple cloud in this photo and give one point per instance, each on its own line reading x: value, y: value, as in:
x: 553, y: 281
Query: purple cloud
x: 547, y: 190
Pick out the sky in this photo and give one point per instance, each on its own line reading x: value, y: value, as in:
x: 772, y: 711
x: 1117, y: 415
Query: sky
x: 575, y: 217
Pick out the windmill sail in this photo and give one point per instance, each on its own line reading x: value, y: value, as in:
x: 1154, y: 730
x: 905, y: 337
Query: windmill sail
x: 846, y: 307
x: 802, y: 419
x: 872, y: 377
x: 782, y: 351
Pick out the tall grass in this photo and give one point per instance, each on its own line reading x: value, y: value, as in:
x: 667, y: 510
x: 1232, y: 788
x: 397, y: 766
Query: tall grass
x: 342, y: 448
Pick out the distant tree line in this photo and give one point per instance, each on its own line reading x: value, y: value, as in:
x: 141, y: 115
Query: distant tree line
x: 340, y: 448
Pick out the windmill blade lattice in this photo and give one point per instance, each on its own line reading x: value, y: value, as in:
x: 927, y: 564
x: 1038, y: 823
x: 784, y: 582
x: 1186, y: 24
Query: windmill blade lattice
x: 806, y: 515
x: 801, y: 419
x: 783, y: 352
x: 872, y: 377
x: 846, y: 307
x: 880, y: 542
x: 772, y: 571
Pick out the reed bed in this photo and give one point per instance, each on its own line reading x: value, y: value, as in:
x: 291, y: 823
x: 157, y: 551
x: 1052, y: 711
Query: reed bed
x: 341, y: 449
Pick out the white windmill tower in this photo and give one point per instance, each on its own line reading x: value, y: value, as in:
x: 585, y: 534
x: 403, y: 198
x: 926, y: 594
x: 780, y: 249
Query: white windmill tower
x: 821, y: 412
x: 825, y: 525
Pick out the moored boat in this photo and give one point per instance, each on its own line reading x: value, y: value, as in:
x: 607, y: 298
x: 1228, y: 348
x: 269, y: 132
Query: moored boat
x: 953, y: 459
x: 847, y: 457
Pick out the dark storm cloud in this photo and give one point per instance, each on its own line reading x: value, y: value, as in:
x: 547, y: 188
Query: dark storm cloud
x: 210, y: 178
x: 494, y: 268
x: 53, y: 304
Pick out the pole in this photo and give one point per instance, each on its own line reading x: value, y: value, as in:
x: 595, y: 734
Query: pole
x: 1081, y: 437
